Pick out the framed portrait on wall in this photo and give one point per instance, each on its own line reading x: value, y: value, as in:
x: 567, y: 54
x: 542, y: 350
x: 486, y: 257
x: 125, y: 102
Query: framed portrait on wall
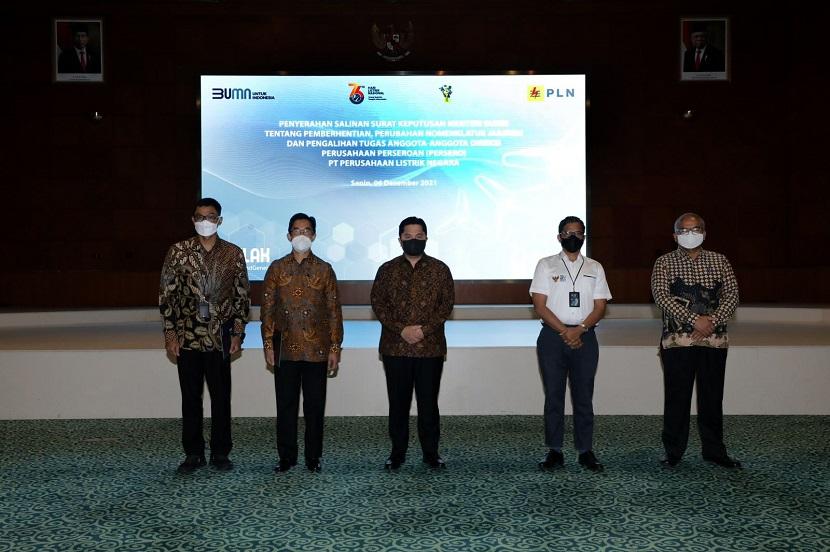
x: 704, y: 49
x: 79, y: 50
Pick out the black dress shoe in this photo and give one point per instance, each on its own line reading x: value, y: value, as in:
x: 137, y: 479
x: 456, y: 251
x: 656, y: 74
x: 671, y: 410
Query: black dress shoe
x: 589, y: 461
x: 552, y: 460
x: 314, y: 465
x: 724, y: 462
x: 191, y: 462
x: 669, y: 461
x: 284, y: 466
x: 392, y: 464
x: 221, y: 462
x: 436, y: 463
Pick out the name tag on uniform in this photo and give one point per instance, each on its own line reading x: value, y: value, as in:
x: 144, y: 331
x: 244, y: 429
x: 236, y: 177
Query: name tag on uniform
x: 573, y: 299
x: 204, y: 310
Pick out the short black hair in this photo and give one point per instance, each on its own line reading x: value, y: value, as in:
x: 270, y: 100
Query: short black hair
x: 570, y: 220
x: 209, y: 202
x: 302, y: 216
x: 411, y: 220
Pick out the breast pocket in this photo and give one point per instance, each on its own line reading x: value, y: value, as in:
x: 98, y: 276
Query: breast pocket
x: 589, y: 283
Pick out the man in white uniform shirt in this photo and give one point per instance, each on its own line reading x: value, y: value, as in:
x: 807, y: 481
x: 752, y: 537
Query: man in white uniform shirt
x: 569, y: 294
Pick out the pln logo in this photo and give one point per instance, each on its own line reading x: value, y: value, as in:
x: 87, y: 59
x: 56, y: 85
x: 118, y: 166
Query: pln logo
x: 537, y: 93
x: 356, y: 96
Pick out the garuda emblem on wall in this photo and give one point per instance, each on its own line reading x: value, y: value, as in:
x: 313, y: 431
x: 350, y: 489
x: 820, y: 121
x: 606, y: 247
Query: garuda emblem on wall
x: 393, y: 43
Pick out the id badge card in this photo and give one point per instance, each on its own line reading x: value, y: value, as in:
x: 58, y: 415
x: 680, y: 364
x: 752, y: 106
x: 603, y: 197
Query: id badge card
x: 573, y: 299
x: 204, y: 310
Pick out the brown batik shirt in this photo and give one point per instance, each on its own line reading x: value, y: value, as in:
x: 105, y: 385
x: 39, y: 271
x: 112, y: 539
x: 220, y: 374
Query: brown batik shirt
x: 300, y: 300
x: 685, y: 288
x: 190, y: 275
x: 403, y: 295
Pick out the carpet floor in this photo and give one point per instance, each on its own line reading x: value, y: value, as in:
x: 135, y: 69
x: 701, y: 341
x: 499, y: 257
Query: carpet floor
x: 91, y: 485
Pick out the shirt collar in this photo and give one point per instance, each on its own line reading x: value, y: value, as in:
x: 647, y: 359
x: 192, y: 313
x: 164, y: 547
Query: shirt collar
x: 312, y: 258
x: 197, y: 244
x: 564, y: 257
x: 403, y: 260
x: 680, y: 252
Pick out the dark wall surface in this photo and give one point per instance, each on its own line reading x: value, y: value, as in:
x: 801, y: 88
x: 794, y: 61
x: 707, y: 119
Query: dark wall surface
x: 91, y: 207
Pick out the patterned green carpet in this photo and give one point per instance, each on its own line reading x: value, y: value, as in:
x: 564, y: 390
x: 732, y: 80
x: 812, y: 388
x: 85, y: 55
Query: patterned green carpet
x: 111, y: 485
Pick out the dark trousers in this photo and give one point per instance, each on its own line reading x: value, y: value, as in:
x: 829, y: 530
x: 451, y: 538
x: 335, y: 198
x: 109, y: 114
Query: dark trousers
x: 194, y: 369
x: 681, y: 367
x: 403, y: 374
x: 559, y: 364
x: 289, y: 378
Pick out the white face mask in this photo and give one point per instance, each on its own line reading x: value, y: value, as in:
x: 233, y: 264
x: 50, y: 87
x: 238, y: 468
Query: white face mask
x: 690, y: 240
x: 301, y: 243
x: 205, y: 228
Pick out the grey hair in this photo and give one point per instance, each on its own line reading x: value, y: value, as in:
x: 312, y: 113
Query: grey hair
x: 685, y: 216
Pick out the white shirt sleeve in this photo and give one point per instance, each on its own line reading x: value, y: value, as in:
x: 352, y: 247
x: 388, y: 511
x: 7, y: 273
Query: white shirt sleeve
x: 541, y: 282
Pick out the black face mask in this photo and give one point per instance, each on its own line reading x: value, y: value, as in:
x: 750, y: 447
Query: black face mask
x: 413, y: 247
x: 572, y: 244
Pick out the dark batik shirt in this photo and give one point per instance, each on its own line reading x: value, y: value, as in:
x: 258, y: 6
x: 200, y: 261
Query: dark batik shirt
x: 684, y: 288
x: 300, y: 300
x: 191, y: 274
x: 403, y: 295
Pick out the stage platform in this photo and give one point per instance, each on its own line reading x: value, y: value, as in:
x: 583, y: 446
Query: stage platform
x: 111, y: 364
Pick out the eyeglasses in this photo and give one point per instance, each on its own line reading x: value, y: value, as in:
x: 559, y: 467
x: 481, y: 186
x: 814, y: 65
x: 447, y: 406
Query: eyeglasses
x: 211, y: 218
x: 302, y: 231
x: 577, y: 233
x: 692, y: 230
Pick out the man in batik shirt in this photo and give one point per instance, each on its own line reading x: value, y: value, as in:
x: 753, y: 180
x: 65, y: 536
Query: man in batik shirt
x: 300, y: 304
x: 204, y: 300
x: 697, y: 291
x: 412, y: 297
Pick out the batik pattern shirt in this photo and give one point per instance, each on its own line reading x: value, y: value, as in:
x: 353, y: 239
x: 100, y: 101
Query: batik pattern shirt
x: 403, y: 295
x: 192, y: 275
x: 685, y: 288
x: 300, y: 301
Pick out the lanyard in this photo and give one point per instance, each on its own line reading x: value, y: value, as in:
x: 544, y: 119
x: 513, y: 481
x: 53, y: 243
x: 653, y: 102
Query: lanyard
x: 573, y: 279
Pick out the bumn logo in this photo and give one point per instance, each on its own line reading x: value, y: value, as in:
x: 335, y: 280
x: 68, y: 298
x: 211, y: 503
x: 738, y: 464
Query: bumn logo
x: 231, y: 93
